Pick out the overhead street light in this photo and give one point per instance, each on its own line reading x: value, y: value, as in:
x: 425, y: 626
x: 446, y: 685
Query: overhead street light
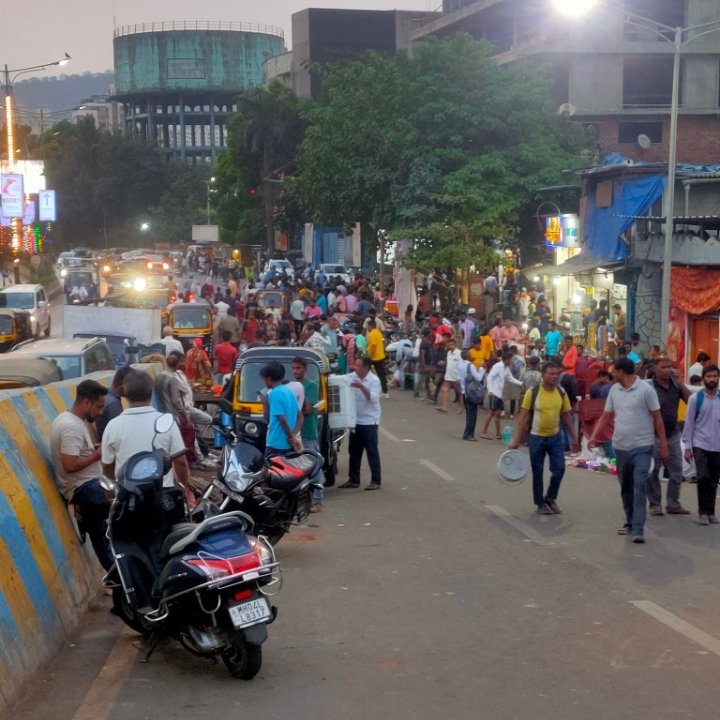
x: 9, y: 77
x: 678, y: 38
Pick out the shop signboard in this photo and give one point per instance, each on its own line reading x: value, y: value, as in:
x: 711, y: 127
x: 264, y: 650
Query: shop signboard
x: 562, y: 231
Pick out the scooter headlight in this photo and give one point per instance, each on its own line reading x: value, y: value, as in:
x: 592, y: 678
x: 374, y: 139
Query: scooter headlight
x: 237, y: 481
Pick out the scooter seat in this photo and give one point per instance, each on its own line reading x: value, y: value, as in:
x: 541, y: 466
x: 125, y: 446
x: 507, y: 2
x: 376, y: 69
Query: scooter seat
x: 287, y: 472
x: 185, y: 534
x: 178, y: 532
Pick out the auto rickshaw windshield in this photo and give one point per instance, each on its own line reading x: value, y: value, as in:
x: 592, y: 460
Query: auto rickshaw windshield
x: 251, y: 384
x: 190, y: 318
x: 272, y: 297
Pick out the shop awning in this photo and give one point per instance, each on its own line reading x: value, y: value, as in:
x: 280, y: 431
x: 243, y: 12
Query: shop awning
x: 583, y: 262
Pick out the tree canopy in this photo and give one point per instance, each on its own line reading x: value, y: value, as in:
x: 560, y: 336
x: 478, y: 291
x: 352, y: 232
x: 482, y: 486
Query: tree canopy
x: 445, y: 146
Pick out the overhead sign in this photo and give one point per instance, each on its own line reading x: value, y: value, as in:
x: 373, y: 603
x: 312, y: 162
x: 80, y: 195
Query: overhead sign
x: 562, y: 231
x: 46, y: 202
x: 11, y: 193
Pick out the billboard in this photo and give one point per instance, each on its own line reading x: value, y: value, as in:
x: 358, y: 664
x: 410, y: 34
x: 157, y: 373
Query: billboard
x: 12, y: 195
x: 46, y: 202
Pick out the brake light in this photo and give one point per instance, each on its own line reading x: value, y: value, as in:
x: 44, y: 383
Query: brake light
x: 220, y: 567
x: 242, y: 595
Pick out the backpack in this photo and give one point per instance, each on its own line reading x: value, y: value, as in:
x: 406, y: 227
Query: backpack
x: 474, y: 390
x: 533, y: 400
x: 698, y: 403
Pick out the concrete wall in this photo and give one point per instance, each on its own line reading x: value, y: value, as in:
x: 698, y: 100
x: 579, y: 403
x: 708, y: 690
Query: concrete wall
x: 47, y: 577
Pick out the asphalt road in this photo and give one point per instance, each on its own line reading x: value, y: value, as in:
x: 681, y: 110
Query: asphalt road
x: 442, y: 595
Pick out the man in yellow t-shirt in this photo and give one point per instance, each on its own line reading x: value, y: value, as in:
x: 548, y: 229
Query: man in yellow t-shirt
x: 546, y: 406
x: 481, y: 350
x: 376, y: 353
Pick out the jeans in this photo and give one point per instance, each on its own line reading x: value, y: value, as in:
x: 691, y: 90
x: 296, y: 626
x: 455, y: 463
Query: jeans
x: 471, y: 411
x: 200, y: 421
x: 314, y: 445
x: 707, y: 466
x: 633, y: 468
x: 674, y: 468
x: 364, y: 438
x: 552, y: 446
x: 94, y: 508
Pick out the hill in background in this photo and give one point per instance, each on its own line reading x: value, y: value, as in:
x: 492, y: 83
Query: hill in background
x: 60, y: 92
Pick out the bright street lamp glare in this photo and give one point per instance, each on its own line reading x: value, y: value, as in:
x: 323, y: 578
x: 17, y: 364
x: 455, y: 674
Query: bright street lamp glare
x: 574, y: 8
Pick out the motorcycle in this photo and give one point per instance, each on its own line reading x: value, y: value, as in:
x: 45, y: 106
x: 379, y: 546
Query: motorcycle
x: 206, y: 585
x: 276, y: 492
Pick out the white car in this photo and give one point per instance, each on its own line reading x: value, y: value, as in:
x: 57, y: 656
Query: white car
x: 333, y: 270
x: 33, y: 299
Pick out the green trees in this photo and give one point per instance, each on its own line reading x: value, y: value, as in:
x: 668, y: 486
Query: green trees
x: 262, y: 144
x: 445, y: 147
x: 108, y: 183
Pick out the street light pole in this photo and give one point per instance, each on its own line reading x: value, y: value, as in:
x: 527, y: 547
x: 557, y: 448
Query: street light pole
x: 670, y: 191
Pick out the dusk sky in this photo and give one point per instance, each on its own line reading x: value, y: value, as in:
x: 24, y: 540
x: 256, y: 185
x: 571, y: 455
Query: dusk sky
x: 43, y: 30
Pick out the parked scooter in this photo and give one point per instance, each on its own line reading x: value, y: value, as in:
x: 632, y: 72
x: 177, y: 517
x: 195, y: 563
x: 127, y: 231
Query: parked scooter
x: 206, y: 585
x: 276, y: 492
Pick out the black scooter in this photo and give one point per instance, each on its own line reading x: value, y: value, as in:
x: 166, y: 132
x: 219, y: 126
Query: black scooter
x: 206, y: 585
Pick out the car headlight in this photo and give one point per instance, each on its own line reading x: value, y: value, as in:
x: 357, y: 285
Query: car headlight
x: 139, y: 283
x: 251, y: 428
x: 63, y: 273
x: 106, y: 268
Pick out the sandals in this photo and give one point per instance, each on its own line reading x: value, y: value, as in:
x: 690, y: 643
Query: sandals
x: 624, y: 530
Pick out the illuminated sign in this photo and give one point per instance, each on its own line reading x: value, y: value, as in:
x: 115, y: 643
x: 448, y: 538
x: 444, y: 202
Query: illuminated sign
x: 13, y: 198
x: 46, y: 201
x: 562, y: 231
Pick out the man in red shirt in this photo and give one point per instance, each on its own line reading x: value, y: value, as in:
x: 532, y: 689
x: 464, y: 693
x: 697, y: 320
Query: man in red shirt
x: 225, y: 357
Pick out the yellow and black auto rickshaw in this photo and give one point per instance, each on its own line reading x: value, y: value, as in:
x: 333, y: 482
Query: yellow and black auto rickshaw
x: 273, y: 299
x: 15, y: 326
x: 247, y: 388
x: 189, y: 321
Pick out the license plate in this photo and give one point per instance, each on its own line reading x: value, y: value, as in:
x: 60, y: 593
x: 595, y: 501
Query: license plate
x: 249, y: 613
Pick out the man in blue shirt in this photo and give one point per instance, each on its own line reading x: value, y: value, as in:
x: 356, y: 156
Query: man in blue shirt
x: 283, y: 426
x: 552, y: 341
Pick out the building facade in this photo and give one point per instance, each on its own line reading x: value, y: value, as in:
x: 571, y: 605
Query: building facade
x: 609, y: 71
x: 178, y: 81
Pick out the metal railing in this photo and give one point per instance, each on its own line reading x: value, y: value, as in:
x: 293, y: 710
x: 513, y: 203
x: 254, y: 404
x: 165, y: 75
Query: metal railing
x: 226, y: 25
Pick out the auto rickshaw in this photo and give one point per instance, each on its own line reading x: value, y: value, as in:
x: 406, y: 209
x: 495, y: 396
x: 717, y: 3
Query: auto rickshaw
x: 246, y: 389
x: 15, y: 327
x: 273, y: 299
x: 189, y: 321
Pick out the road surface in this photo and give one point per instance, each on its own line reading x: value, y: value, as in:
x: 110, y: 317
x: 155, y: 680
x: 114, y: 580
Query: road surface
x: 442, y: 595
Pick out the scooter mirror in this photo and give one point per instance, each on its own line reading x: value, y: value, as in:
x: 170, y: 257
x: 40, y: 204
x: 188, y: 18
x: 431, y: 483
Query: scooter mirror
x: 164, y: 423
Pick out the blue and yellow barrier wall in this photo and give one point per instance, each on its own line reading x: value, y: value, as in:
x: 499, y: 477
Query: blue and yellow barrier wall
x: 47, y: 577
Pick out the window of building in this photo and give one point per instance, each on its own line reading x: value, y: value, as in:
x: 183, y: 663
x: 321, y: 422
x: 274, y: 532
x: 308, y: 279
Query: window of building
x: 628, y: 132
x: 647, y: 82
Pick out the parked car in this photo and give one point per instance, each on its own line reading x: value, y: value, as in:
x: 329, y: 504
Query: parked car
x: 75, y: 358
x: 33, y: 299
x: 333, y: 270
x: 25, y: 372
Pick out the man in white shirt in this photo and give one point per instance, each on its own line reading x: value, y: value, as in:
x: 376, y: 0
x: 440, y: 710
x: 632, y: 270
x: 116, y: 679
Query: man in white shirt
x: 452, y: 378
x: 499, y: 374
x: 297, y: 313
x: 134, y: 431
x: 364, y: 437
x: 171, y: 343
